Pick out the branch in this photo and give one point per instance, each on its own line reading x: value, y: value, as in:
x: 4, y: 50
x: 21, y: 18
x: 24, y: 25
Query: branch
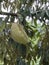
x: 15, y: 14
x: 12, y: 14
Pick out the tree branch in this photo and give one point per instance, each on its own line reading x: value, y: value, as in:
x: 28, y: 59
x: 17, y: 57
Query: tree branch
x: 15, y: 14
x: 12, y: 14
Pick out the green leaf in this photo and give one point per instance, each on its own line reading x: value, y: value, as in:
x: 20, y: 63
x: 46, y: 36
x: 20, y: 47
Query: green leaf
x: 2, y: 26
x: 35, y: 22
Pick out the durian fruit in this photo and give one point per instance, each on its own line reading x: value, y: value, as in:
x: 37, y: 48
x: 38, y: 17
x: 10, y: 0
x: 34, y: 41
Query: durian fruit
x: 18, y: 33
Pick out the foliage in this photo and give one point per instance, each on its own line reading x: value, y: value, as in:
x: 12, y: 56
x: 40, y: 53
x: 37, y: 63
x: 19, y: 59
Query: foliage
x: 34, y: 16
x: 37, y: 62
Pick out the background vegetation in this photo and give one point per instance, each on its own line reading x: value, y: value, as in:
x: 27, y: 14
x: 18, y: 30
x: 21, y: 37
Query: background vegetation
x: 34, y: 15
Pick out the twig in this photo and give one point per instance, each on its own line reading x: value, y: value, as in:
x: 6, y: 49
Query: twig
x: 15, y: 14
x: 12, y: 14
